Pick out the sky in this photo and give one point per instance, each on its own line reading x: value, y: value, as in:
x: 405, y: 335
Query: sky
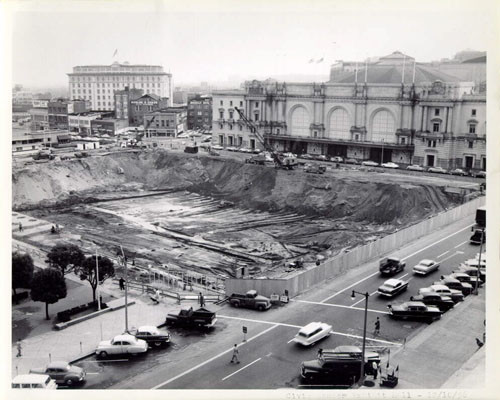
x: 217, y: 41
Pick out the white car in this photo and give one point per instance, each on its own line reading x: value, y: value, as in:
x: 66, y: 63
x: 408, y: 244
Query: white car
x: 337, y: 159
x: 456, y: 295
x: 231, y: 148
x: 392, y: 287
x: 425, y: 267
x: 121, y: 344
x: 290, y: 155
x: 217, y: 147
x: 33, y: 381
x: 389, y: 165
x: 311, y: 333
x: 369, y: 163
x: 415, y: 168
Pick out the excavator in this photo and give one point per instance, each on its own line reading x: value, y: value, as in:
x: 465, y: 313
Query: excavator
x: 279, y: 160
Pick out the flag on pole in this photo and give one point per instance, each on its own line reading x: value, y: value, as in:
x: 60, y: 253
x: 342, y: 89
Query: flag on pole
x: 115, y: 53
x: 320, y: 60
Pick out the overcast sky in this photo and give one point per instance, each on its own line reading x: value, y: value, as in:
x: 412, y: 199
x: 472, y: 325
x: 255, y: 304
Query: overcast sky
x: 213, y: 41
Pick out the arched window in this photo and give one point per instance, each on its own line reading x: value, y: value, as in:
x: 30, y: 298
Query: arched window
x: 300, y: 122
x: 339, y: 125
x: 383, y: 127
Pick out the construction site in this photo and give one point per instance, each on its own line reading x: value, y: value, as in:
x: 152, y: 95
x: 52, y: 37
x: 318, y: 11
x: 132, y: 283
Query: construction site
x: 218, y: 217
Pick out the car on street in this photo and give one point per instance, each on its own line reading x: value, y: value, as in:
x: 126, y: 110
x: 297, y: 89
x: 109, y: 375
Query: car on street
x: 33, y: 381
x: 369, y: 163
x: 231, y: 148
x: 62, y: 372
x: 463, y: 277
x: 478, y: 237
x: 455, y: 284
x: 455, y: 295
x: 472, y: 271
x: 392, y: 287
x: 351, y: 161
x: 289, y: 154
x: 337, y: 159
x: 481, y: 174
x: 153, y: 336
x: 315, y: 168
x: 311, y: 333
x: 458, y: 171
x: 321, y: 157
x: 415, y: 310
x: 389, y: 165
x: 437, y: 170
x: 391, y: 265
x: 415, y: 168
x: 306, y: 156
x: 217, y: 147
x: 121, y: 344
x: 444, y: 303
x: 425, y: 267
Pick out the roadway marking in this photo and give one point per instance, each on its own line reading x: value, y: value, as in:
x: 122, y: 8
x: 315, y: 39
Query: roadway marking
x: 461, y: 244
x: 453, y: 255
x: 209, y: 360
x: 241, y: 369
x: 348, y: 287
x: 441, y: 255
x: 291, y: 340
x: 340, y: 306
x: 359, y: 301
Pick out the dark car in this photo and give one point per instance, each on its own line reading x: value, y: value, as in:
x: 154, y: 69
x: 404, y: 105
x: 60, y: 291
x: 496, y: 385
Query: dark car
x: 414, y: 310
x: 153, y: 336
x: 472, y: 271
x: 444, y: 303
x: 391, y: 266
x: 476, y: 237
x: 62, y: 372
x: 463, y: 277
x: 465, y: 288
x: 392, y: 287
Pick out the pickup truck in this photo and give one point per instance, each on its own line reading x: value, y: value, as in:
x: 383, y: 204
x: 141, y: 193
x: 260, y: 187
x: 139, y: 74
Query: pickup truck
x: 189, y: 318
x: 250, y: 300
x: 391, y: 266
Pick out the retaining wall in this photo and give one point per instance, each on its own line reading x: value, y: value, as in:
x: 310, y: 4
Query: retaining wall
x: 339, y: 264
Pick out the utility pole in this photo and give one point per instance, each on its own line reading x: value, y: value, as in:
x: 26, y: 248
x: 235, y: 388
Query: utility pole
x: 97, y: 280
x: 476, y: 289
x: 126, y: 288
x: 362, y: 376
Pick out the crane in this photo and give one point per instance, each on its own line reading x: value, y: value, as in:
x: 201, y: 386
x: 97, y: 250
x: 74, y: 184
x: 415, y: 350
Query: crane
x: 279, y: 162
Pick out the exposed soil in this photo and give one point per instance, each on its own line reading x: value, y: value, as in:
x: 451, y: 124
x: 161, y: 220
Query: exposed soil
x: 212, y: 215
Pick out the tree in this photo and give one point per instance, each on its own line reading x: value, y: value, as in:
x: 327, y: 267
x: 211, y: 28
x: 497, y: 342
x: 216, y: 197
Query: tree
x: 22, y: 270
x: 87, y: 271
x: 65, y: 257
x: 48, y: 286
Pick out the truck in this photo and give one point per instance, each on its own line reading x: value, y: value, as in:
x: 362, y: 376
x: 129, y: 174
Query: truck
x: 480, y: 218
x: 250, y: 300
x: 191, y: 149
x: 391, y: 266
x: 43, y: 155
x: 189, y: 318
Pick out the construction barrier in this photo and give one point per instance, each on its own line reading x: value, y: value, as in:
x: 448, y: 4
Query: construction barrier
x: 339, y: 264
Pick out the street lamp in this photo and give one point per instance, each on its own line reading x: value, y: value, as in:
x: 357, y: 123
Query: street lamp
x: 476, y: 289
x: 353, y: 296
x: 382, y: 155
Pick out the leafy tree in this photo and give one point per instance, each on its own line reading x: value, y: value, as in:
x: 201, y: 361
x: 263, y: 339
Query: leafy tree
x: 22, y: 270
x: 48, y: 286
x: 87, y: 271
x: 65, y: 257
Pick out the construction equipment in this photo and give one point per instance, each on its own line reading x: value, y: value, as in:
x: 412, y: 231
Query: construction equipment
x: 279, y: 160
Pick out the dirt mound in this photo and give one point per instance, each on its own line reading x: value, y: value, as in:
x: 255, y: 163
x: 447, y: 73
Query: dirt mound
x: 248, y: 186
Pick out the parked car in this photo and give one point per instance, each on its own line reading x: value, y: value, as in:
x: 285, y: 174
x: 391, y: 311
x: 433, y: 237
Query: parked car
x: 466, y: 278
x: 62, y: 373
x: 472, y: 271
x: 306, y: 157
x: 250, y: 299
x: 389, y: 165
x: 437, y: 170
x: 415, y: 168
x: 314, y: 168
x: 33, y: 381
x: 481, y: 174
x: 458, y: 171
x: 153, y: 336
x: 455, y: 295
x: 414, y: 310
x: 321, y: 157
x: 311, y: 333
x: 289, y: 154
x: 337, y: 159
x: 477, y: 235
x: 231, y: 148
x: 444, y: 303
x: 455, y: 284
x: 192, y: 319
x: 392, y: 287
x: 351, y: 161
x: 217, y: 147
x: 121, y: 344
x: 425, y: 267
x: 369, y: 163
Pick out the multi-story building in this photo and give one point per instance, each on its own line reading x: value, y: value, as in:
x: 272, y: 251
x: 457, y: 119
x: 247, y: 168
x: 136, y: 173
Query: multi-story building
x: 39, y: 114
x: 109, y: 126
x: 82, y: 123
x: 167, y: 122
x: 60, y: 109
x: 122, y: 102
x: 145, y: 104
x: 199, y: 112
x: 401, y: 112
x: 97, y: 83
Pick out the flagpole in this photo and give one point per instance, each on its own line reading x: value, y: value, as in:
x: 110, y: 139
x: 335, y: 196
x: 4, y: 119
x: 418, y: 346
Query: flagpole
x: 403, y: 74
x: 414, y: 63
x: 366, y: 70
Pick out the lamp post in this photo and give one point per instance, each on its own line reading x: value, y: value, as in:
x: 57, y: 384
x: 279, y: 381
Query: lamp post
x: 382, y: 155
x: 353, y: 296
x: 476, y: 289
x: 97, y: 278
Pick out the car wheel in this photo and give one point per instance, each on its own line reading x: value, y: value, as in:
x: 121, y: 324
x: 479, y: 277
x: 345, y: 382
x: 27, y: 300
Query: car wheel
x: 236, y: 304
x: 103, y: 354
x: 69, y: 382
x: 157, y: 344
x: 260, y: 308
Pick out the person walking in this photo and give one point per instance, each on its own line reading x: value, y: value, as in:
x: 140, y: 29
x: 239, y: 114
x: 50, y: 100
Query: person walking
x: 156, y: 299
x: 122, y: 283
x: 375, y: 370
x: 376, y: 332
x: 20, y: 227
x: 202, y: 300
x: 19, y: 348
x: 235, y: 355
x: 320, y: 354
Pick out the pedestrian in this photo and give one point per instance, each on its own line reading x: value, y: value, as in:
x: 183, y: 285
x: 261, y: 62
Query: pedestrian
x: 20, y: 227
x: 377, y: 327
x: 375, y: 370
x: 53, y: 229
x: 122, y: 283
x: 202, y: 300
x: 19, y: 348
x: 320, y: 353
x: 156, y: 299
x: 235, y: 355
x: 58, y: 230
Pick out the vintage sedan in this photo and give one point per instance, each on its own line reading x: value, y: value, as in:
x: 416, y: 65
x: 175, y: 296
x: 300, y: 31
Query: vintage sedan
x: 414, y: 310
x: 455, y: 295
x: 437, y: 170
x: 121, y: 345
x: 153, y: 336
x: 444, y: 303
x: 472, y: 271
x: 455, y: 284
x: 369, y: 163
x: 481, y: 174
x: 389, y: 165
x: 321, y: 157
x: 337, y: 159
x: 415, y: 168
x: 351, y: 161
x: 458, y: 171
x: 311, y: 333
x: 217, y: 147
x: 425, y: 267
x: 392, y: 287
x: 463, y: 277
x: 62, y: 373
